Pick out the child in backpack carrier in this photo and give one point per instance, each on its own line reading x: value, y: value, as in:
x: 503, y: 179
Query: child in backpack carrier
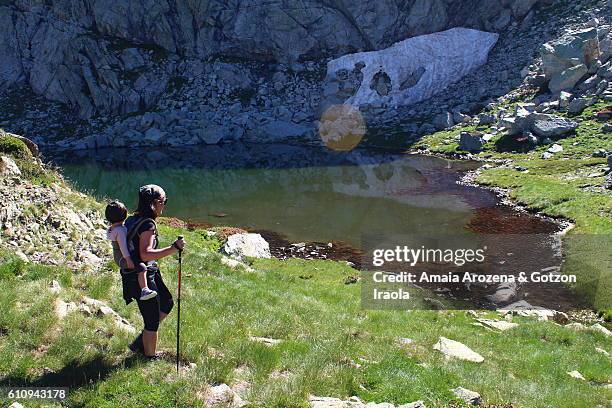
x: 116, y: 213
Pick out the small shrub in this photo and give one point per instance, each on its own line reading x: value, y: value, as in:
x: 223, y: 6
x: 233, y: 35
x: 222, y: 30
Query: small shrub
x: 14, y: 147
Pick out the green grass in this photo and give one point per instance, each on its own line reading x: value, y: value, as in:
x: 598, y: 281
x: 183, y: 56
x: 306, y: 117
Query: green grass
x: 568, y: 186
x: 305, y: 304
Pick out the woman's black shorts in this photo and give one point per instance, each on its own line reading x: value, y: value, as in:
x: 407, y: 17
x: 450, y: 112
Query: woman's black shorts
x: 150, y: 309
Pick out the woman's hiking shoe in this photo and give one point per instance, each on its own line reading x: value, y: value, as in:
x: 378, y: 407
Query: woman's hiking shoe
x: 137, y: 346
x: 154, y: 357
x: 146, y: 294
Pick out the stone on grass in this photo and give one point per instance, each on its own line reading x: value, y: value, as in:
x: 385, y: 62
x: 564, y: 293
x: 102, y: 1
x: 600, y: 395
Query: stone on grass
x: 501, y: 325
x: 102, y: 309
x: 471, y: 397
x: 545, y: 125
x: 555, y: 148
x: 234, y: 263
x: 55, y: 286
x: 470, y: 142
x: 523, y: 308
x: 575, y: 374
x: 247, y: 245
x: 62, y: 308
x: 265, y: 340
x: 222, y: 396
x: 601, y: 329
x: 15, y: 405
x: 454, y: 349
x: 331, y: 402
x: 602, y: 351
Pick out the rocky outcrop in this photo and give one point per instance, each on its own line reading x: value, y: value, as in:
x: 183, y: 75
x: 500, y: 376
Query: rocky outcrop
x: 42, y: 223
x: 121, y: 58
x: 409, y: 71
x: 568, y: 59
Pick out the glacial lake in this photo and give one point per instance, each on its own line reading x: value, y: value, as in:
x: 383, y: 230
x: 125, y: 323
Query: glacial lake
x: 301, y: 193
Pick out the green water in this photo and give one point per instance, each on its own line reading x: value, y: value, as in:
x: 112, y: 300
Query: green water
x: 302, y: 193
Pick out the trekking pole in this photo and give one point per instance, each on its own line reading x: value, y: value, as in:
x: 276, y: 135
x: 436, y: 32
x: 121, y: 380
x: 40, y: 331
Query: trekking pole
x: 178, y: 314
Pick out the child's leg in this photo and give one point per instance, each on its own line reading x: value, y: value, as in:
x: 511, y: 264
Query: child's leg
x: 142, y: 279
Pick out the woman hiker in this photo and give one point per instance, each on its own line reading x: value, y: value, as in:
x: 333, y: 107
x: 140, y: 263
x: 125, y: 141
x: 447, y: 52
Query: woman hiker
x: 142, y: 236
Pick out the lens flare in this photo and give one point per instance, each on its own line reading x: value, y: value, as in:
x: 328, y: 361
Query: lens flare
x: 342, y: 127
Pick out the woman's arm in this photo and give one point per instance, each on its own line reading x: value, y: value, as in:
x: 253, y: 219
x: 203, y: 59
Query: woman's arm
x: 147, y: 250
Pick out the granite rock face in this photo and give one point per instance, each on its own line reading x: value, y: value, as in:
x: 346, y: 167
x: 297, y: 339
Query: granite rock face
x: 409, y: 71
x: 120, y: 56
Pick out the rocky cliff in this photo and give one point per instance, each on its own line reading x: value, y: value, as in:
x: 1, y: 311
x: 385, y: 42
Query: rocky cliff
x: 199, y: 63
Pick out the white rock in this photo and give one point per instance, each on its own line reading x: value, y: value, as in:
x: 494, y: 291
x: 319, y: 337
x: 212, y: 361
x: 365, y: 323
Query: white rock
x: 62, y: 308
x: 555, y: 148
x: 471, y: 397
x: 8, y: 168
x: 15, y: 405
x: 222, y: 396
x: 234, y: 263
x: 454, y: 349
x: 602, y: 351
x: 497, y: 324
x: 247, y: 244
x: 330, y: 402
x: 55, y: 286
x: 523, y: 308
x: 599, y: 328
x: 575, y: 374
x: 265, y: 340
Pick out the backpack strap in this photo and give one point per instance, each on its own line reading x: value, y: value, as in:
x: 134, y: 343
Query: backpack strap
x: 134, y: 229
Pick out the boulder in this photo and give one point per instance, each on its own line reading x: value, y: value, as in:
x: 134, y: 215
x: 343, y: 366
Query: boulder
x: 571, y: 49
x: 8, y: 167
x: 153, y: 136
x: 443, y: 121
x: 409, y: 71
x: 577, y: 105
x: 212, y: 134
x: 485, y: 119
x: 567, y: 79
x: 454, y: 349
x: 470, y: 142
x: 247, y: 245
x: 545, y: 125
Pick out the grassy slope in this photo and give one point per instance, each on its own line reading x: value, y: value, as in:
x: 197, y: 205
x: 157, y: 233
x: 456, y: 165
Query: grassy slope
x: 304, y: 303
x: 322, y: 327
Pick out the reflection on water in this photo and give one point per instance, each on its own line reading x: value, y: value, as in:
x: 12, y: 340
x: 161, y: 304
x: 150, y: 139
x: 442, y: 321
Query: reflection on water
x: 306, y: 194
